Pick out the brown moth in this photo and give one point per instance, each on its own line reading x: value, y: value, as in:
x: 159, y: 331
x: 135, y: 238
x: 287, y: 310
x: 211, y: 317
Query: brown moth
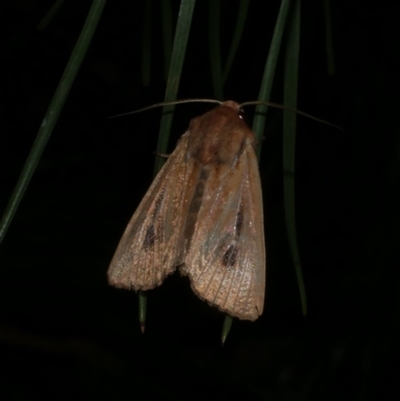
x: 203, y: 213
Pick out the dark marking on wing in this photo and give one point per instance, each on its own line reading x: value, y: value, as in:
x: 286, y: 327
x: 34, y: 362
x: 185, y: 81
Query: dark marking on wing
x: 150, y: 238
x: 239, y: 221
x: 230, y: 256
x: 159, y: 200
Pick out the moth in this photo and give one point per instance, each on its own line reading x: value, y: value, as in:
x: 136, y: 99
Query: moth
x: 203, y: 215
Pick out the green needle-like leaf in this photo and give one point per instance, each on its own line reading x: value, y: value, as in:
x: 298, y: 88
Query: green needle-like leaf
x: 330, y: 59
x: 166, y: 17
x: 240, y: 22
x: 174, y: 75
x: 226, y: 328
x: 269, y: 71
x: 45, y: 21
x: 53, y: 112
x: 215, y: 48
x: 289, y: 140
x: 146, y: 44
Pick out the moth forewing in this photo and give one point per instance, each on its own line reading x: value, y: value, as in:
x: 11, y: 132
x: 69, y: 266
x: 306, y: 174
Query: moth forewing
x: 252, y: 238
x: 151, y: 246
x: 225, y: 259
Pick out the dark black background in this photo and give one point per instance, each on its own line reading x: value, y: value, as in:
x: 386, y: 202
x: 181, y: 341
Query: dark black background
x: 65, y: 334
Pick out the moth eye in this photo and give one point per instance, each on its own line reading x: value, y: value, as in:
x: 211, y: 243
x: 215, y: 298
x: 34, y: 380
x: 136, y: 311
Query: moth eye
x: 150, y: 238
x: 230, y: 256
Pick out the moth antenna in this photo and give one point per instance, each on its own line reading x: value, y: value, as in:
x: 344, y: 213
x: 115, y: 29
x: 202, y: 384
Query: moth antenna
x: 173, y: 102
x: 299, y: 112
